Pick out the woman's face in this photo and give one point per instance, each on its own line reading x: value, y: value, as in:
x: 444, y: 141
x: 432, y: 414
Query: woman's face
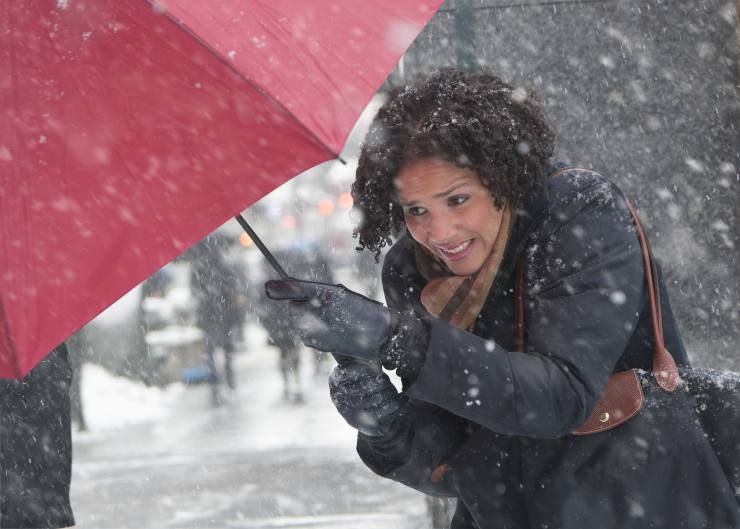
x: 450, y: 212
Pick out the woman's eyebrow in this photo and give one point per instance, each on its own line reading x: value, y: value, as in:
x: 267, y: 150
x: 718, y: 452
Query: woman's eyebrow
x: 454, y: 187
x: 451, y: 190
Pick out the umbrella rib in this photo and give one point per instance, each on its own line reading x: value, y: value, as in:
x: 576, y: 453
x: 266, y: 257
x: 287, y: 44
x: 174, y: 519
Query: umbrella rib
x: 246, y: 79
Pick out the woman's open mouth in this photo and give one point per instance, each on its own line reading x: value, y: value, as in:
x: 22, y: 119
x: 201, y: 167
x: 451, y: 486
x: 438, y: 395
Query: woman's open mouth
x: 458, y: 252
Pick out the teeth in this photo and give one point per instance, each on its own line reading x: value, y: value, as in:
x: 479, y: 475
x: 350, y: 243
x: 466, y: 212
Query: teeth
x: 458, y: 249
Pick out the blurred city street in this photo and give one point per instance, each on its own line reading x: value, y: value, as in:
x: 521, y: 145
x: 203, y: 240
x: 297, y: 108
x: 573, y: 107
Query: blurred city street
x: 170, y: 459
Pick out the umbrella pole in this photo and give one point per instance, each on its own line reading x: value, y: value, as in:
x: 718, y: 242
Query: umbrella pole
x: 271, y: 258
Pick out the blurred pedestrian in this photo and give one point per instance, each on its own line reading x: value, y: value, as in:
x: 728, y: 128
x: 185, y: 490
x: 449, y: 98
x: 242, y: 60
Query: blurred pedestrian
x: 305, y: 260
x: 218, y: 290
x: 281, y: 334
x: 241, y: 301
x: 156, y: 285
x: 36, y: 446
x: 500, y: 416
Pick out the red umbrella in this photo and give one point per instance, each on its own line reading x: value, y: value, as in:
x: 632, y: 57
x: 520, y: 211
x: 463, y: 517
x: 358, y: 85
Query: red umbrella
x: 131, y: 129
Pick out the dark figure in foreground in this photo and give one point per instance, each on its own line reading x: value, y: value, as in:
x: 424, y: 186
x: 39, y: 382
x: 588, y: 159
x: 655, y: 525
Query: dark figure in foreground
x: 217, y: 287
x: 79, y: 351
x: 36, y: 446
x: 458, y: 167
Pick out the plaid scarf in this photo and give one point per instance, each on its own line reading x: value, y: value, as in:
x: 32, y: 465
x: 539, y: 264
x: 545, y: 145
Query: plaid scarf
x: 459, y: 299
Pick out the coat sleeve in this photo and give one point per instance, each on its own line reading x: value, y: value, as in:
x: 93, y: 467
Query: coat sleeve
x: 584, y: 293
x: 424, y: 436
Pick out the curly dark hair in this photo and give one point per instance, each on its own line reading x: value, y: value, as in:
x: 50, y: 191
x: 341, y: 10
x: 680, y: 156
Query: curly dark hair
x: 472, y: 119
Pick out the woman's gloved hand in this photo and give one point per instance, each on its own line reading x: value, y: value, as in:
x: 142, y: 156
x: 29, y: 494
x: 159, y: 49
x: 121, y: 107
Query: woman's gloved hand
x: 365, y: 397
x: 335, y: 319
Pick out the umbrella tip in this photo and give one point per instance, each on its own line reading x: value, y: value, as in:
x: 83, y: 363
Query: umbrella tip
x: 341, y: 160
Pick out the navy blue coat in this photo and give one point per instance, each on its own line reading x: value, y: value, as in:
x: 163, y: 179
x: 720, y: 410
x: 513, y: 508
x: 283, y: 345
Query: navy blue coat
x: 502, y: 419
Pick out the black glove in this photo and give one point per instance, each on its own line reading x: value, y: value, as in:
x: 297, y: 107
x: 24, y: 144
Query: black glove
x: 405, y: 350
x: 365, y: 397
x: 335, y: 319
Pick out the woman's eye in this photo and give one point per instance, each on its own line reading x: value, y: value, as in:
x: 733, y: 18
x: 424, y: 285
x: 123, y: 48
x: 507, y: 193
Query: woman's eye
x: 457, y: 200
x: 416, y: 211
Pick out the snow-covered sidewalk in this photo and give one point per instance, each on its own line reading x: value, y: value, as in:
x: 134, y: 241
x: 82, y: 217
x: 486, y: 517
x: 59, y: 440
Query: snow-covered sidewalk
x: 167, y: 458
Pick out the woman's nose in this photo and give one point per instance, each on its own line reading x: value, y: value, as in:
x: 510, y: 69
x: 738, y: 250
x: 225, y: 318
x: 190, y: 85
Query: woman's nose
x: 441, y: 230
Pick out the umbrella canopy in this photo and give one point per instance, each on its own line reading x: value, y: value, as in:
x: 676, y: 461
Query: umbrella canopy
x: 130, y: 129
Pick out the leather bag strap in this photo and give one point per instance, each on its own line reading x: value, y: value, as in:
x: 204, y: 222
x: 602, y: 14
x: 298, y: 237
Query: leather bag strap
x: 665, y: 370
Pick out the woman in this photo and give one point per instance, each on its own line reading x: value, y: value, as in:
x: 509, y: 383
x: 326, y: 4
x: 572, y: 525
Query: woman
x: 458, y: 164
